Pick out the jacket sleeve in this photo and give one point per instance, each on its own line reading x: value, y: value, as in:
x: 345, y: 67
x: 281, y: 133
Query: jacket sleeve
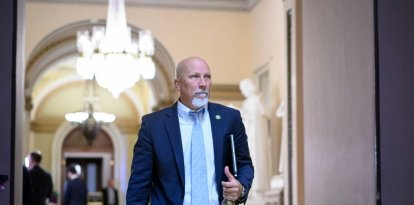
x: 50, y: 185
x: 67, y: 192
x: 140, y: 181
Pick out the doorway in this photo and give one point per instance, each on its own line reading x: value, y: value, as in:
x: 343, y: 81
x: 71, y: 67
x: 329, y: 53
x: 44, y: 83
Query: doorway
x: 90, y: 171
x: 96, y: 169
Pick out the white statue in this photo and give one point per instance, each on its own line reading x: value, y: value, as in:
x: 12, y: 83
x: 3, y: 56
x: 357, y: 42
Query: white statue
x: 277, y: 181
x: 280, y: 113
x: 255, y: 121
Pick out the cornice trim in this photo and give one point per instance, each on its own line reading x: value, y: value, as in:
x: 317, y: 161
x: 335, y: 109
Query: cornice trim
x: 239, y: 5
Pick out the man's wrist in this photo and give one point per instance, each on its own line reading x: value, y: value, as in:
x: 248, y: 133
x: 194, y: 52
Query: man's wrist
x: 243, y: 193
x: 243, y: 196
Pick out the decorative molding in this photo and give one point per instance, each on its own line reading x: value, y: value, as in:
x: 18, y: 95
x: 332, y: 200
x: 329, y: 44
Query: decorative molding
x: 226, y: 92
x: 240, y: 5
x: 28, y: 103
x: 51, y: 125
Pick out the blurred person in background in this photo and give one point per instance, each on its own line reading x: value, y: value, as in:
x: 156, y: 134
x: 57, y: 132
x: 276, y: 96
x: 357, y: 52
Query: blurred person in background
x: 42, y: 187
x: 110, y: 194
x: 75, y: 192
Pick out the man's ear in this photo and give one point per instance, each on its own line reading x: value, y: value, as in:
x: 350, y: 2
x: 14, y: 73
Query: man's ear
x: 177, y: 84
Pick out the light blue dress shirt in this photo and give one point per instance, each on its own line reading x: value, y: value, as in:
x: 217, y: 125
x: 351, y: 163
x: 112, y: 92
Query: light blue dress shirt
x: 186, y: 126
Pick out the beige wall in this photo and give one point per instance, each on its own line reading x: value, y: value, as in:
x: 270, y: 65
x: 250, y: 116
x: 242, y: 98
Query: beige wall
x: 132, y: 139
x: 221, y: 37
x: 338, y: 69
x: 43, y: 142
x: 268, y: 44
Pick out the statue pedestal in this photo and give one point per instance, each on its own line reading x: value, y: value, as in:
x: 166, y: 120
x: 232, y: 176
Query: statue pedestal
x: 255, y: 198
x: 274, y: 196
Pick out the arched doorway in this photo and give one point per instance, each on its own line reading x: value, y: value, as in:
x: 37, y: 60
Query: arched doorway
x: 95, y: 157
x: 110, y: 149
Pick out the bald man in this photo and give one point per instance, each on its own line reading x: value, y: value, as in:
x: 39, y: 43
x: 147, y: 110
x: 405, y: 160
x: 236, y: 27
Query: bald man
x: 163, y: 165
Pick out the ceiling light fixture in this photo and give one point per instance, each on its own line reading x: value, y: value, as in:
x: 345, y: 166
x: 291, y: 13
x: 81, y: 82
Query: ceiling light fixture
x: 90, y: 119
x: 112, y: 56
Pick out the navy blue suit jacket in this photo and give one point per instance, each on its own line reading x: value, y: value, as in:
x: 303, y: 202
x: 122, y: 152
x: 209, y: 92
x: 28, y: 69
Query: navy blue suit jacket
x: 41, y: 184
x: 75, y: 192
x: 157, y: 173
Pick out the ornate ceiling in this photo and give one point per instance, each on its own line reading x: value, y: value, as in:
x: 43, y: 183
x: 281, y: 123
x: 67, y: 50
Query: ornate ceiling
x: 194, y: 4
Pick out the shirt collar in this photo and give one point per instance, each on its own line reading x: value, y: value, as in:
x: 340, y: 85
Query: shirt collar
x: 183, y: 111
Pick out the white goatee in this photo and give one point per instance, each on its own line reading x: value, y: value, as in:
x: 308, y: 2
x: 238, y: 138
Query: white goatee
x: 199, y: 102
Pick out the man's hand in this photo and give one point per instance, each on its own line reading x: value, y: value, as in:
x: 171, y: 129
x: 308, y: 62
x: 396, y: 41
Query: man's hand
x: 232, y: 189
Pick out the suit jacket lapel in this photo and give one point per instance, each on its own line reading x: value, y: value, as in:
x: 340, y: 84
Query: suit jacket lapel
x: 217, y: 132
x: 173, y: 128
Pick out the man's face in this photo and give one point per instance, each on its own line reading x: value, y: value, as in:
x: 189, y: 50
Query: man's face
x: 194, y: 84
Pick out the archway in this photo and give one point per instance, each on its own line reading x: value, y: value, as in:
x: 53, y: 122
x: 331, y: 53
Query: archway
x: 61, y: 44
x: 120, y: 157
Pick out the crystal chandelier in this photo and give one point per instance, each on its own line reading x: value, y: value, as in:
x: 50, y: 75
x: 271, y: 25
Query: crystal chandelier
x: 89, y: 119
x: 112, y: 56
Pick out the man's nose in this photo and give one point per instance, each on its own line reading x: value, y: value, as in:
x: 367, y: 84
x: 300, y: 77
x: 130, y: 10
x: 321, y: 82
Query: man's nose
x: 202, y: 82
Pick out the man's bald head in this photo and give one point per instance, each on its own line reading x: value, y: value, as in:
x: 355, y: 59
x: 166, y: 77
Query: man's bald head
x: 185, y: 64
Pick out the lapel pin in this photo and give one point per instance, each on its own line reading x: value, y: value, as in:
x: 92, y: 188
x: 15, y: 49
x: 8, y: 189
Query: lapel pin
x: 218, y: 117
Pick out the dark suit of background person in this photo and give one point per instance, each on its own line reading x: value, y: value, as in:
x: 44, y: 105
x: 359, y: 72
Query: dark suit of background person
x: 41, y: 180
x: 106, y: 193
x: 75, y: 192
x: 27, y: 187
x: 158, y: 174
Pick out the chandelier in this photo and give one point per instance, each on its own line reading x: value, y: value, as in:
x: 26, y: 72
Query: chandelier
x: 89, y: 119
x: 112, y: 56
